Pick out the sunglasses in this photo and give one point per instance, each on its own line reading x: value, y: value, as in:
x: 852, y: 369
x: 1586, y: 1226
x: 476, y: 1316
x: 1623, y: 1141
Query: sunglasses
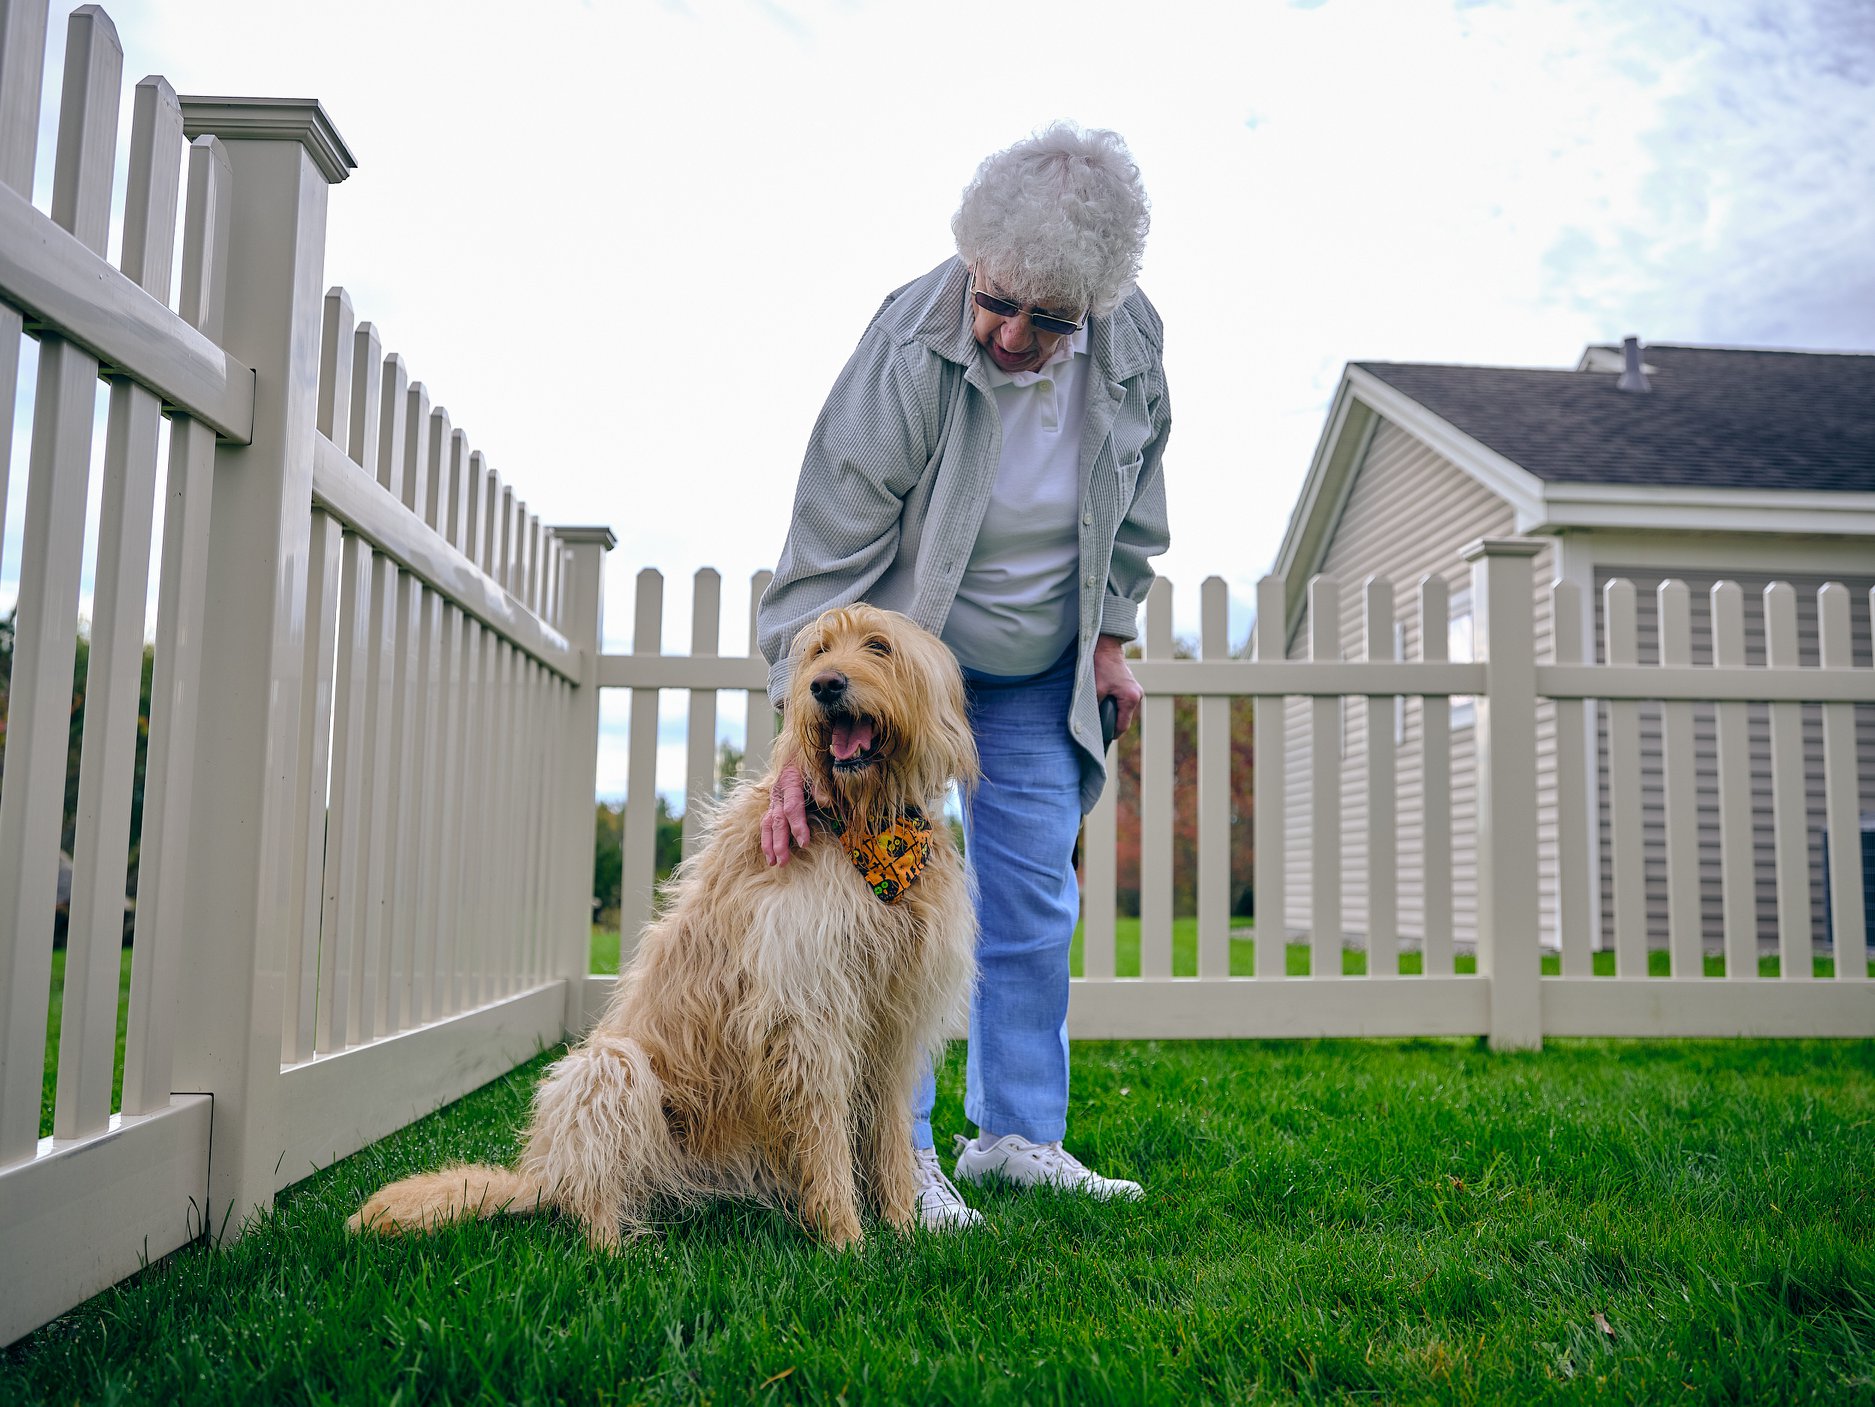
x: 1041, y: 322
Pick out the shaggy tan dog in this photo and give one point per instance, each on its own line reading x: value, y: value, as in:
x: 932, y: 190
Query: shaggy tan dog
x: 767, y: 1035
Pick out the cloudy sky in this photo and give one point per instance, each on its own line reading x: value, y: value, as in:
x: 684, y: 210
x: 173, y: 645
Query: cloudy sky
x: 629, y: 245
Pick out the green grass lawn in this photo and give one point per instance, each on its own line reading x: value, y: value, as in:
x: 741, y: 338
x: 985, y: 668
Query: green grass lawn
x: 1375, y: 1221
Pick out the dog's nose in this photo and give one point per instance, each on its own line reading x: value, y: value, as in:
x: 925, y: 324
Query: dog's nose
x: 828, y: 689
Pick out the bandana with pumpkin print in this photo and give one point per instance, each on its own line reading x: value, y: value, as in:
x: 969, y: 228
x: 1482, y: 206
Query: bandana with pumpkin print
x: 892, y: 858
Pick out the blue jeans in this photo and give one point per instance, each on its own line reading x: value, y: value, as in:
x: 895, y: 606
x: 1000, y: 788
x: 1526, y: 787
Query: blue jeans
x: 1019, y: 830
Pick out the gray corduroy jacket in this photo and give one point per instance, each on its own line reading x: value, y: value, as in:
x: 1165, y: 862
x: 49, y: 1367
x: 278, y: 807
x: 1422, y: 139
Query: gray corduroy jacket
x: 900, y: 466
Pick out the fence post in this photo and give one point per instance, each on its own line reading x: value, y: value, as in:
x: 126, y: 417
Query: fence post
x: 581, y: 618
x: 282, y: 157
x: 1504, y: 619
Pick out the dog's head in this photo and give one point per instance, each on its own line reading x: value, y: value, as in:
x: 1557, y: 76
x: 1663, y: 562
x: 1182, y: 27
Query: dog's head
x: 876, y: 710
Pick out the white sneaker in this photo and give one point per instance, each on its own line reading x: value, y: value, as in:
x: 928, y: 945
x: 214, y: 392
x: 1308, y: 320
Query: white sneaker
x: 940, y: 1207
x: 1013, y: 1158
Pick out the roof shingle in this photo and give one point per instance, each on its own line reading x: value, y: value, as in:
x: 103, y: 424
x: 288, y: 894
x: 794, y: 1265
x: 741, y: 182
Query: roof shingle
x: 1716, y: 418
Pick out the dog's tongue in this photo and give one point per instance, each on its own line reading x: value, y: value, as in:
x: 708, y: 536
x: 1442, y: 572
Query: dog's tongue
x: 851, y: 736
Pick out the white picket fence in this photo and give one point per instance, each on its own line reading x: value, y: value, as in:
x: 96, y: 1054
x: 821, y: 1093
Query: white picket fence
x: 368, y: 804
x: 1506, y: 998
x: 364, y: 877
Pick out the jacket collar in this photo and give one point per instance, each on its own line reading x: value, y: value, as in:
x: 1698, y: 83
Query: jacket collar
x: 938, y: 317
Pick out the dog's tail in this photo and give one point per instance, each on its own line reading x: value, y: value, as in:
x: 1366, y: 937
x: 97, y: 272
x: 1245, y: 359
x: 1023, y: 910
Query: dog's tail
x: 453, y: 1194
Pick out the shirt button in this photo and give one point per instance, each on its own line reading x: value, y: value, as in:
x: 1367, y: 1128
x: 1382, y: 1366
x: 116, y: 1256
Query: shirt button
x: 1087, y: 520
x: 1090, y: 581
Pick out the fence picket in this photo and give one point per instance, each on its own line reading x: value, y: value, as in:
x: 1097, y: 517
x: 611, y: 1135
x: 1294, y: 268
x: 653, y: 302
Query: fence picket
x: 1435, y: 782
x: 1383, y: 939
x: 1842, y: 805
x: 176, y: 679
x: 22, y: 65
x: 448, y: 844
x: 706, y: 603
x: 371, y: 973
x: 337, y: 334
x: 758, y: 734
x: 367, y: 387
x: 504, y: 753
x: 1575, y: 900
x: 427, y: 707
x: 639, y: 872
x: 1325, y: 723
x: 534, y: 800
x: 46, y: 610
x: 323, y: 575
x: 419, y: 443
x: 1790, y: 820
x: 108, y: 752
x: 1626, y: 839
x: 1214, y: 790
x: 477, y: 738
x: 1269, y: 748
x: 1156, y: 816
x: 1100, y: 878
x: 1681, y: 798
x: 1737, y: 880
x: 393, y: 409
x: 404, y: 840
x: 407, y: 692
x: 335, y: 1018
x: 445, y: 749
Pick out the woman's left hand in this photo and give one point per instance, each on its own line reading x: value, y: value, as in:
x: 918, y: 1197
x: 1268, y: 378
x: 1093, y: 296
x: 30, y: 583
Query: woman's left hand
x: 1113, y: 679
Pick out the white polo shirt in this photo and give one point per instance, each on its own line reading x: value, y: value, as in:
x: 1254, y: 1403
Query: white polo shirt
x: 1016, y: 605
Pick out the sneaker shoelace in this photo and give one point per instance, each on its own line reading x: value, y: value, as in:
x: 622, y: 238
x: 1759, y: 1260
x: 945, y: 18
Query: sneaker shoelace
x: 1062, y: 1165
x: 934, y: 1189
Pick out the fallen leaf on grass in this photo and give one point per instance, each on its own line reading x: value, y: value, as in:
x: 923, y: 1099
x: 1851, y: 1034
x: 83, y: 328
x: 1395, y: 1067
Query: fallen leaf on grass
x: 1604, y: 1326
x: 766, y: 1382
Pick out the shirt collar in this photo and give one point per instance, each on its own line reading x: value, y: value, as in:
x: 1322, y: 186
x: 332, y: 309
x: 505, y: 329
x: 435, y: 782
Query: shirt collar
x: 1074, y: 345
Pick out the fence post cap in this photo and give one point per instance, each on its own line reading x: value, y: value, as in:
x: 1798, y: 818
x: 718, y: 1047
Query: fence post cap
x: 271, y: 120
x: 1500, y: 547
x: 581, y: 536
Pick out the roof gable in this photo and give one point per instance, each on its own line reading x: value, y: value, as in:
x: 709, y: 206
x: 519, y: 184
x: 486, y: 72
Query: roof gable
x: 1728, y: 440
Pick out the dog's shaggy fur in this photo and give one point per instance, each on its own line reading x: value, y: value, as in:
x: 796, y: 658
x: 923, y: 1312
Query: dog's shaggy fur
x: 766, y: 1038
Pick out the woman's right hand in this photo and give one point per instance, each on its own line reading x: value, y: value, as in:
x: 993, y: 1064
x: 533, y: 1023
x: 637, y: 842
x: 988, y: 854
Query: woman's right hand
x: 787, y: 816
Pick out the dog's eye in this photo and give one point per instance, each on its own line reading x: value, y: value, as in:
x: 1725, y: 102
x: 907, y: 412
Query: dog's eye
x: 879, y: 647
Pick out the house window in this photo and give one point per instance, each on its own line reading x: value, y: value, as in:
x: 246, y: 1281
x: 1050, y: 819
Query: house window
x: 1459, y: 649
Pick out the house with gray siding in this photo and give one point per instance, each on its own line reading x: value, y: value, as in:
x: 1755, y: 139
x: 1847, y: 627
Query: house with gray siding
x: 1688, y: 463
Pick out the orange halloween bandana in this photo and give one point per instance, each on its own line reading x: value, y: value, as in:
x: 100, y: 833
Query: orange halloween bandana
x: 891, y: 859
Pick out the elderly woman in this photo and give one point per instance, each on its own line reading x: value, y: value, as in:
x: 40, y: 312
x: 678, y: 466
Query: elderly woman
x: 989, y: 463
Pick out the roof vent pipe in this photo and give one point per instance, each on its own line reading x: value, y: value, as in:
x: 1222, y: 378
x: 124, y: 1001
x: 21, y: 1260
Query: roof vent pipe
x: 1632, y: 378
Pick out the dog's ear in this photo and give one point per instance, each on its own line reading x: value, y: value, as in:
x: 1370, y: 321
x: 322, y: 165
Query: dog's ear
x: 964, y: 767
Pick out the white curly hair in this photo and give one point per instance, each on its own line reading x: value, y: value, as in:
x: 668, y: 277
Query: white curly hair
x: 1058, y: 220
